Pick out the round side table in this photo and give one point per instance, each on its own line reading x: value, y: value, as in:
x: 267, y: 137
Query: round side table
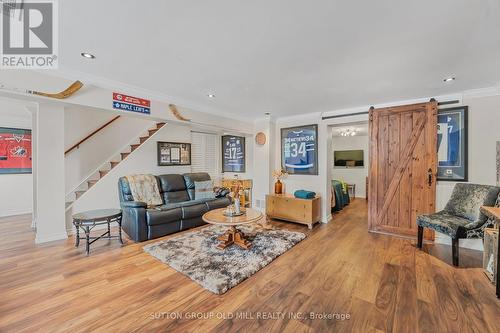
x: 90, y: 219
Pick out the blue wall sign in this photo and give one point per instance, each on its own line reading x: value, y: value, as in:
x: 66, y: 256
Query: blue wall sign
x: 299, y: 150
x: 452, y: 144
x: 131, y: 107
x: 233, y: 153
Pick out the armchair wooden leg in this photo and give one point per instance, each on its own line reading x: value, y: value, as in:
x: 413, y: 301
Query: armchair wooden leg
x: 454, y: 251
x: 420, y: 237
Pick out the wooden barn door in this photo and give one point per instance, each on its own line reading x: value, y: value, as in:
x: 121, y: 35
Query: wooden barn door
x: 403, y: 167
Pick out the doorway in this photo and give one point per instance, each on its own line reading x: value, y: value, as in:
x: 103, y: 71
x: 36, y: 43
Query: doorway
x: 349, y: 164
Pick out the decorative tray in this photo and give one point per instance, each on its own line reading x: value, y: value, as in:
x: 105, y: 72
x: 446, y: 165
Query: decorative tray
x: 233, y: 214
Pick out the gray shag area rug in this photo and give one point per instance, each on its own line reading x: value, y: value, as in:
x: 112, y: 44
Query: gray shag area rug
x: 195, y: 254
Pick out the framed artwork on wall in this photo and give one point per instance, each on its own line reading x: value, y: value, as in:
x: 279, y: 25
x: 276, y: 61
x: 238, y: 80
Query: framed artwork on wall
x: 233, y: 153
x: 299, y: 150
x: 452, y: 144
x: 173, y: 153
x: 15, y: 150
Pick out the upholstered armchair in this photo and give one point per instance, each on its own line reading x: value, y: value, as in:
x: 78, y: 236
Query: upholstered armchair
x: 461, y: 218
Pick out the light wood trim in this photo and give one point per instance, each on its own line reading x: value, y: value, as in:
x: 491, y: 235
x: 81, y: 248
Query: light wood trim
x: 491, y: 212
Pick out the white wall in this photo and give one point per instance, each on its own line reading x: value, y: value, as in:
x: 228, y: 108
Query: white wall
x: 263, y: 163
x: 316, y: 183
x: 48, y: 168
x: 356, y: 175
x: 79, y: 122
x: 484, y: 132
x: 16, y: 194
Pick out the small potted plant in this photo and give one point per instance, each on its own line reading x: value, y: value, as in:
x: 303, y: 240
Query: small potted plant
x: 279, y: 175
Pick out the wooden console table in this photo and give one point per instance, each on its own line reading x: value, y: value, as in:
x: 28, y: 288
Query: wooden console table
x: 494, y: 213
x: 287, y: 207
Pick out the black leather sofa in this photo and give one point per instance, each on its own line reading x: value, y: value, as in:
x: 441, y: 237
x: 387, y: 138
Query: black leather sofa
x: 180, y: 209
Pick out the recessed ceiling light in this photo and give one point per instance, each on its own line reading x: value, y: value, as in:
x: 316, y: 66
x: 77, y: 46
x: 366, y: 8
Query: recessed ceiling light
x: 87, y: 55
x: 211, y: 95
x: 449, y: 79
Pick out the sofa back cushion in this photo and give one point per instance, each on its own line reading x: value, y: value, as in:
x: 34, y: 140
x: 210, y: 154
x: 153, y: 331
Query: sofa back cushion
x: 190, y: 178
x: 173, y: 188
x: 467, y: 199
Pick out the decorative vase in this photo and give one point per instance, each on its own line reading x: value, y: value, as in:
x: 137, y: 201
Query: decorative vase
x: 278, y: 187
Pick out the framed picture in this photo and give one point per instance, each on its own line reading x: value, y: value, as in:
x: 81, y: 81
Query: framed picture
x: 15, y: 150
x: 452, y: 144
x: 299, y: 150
x: 173, y: 153
x: 233, y: 153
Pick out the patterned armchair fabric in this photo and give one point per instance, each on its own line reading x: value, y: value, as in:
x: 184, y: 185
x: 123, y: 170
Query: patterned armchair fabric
x: 461, y: 218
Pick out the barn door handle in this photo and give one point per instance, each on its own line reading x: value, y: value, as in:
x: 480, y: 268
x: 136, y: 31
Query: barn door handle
x: 429, y: 175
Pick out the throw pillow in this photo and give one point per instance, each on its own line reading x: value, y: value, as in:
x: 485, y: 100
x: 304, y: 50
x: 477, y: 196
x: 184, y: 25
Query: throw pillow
x: 204, y: 190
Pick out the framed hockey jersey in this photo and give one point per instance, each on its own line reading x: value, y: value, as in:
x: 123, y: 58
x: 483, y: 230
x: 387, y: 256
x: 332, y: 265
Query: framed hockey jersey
x: 15, y: 150
x: 299, y: 150
x: 452, y: 144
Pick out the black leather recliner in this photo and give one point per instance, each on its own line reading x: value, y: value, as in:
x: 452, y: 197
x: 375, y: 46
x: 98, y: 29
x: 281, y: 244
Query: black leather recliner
x: 180, y: 209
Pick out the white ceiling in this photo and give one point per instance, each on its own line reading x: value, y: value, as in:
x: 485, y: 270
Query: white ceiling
x: 285, y: 56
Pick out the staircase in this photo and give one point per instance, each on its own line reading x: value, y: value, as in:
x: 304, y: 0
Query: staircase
x: 100, y: 174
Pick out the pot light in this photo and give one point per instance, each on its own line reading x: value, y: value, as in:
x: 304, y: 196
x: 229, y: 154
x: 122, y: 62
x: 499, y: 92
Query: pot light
x: 87, y: 55
x: 211, y: 95
x: 449, y: 79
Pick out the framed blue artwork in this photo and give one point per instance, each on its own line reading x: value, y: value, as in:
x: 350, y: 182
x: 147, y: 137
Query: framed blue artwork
x: 452, y: 144
x: 233, y: 153
x: 299, y: 150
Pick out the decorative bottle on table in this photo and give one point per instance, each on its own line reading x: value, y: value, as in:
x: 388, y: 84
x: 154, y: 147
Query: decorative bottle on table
x: 235, y: 194
x: 237, y: 208
x: 279, y: 175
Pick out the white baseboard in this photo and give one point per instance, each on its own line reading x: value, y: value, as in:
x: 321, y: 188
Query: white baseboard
x: 39, y: 239
x: 473, y: 244
x: 15, y: 212
x: 326, y: 219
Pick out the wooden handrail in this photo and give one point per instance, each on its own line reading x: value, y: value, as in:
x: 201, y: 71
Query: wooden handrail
x: 90, y: 135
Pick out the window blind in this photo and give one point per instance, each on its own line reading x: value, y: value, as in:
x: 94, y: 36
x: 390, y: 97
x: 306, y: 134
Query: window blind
x: 205, y: 153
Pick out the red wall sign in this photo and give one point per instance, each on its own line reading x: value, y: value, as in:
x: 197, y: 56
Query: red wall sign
x: 131, y: 100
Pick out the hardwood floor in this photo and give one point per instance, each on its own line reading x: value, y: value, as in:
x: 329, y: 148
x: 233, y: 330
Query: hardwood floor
x: 383, y: 283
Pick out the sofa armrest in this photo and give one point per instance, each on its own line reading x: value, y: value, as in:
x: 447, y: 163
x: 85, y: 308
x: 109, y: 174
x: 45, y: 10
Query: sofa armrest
x: 133, y: 204
x: 134, y: 220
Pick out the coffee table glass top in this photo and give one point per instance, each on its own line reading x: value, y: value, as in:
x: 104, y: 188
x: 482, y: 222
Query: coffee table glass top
x: 217, y: 216
x: 96, y: 215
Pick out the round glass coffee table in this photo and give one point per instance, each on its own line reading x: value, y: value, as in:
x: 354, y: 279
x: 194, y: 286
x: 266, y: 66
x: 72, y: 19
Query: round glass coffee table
x: 232, y: 235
